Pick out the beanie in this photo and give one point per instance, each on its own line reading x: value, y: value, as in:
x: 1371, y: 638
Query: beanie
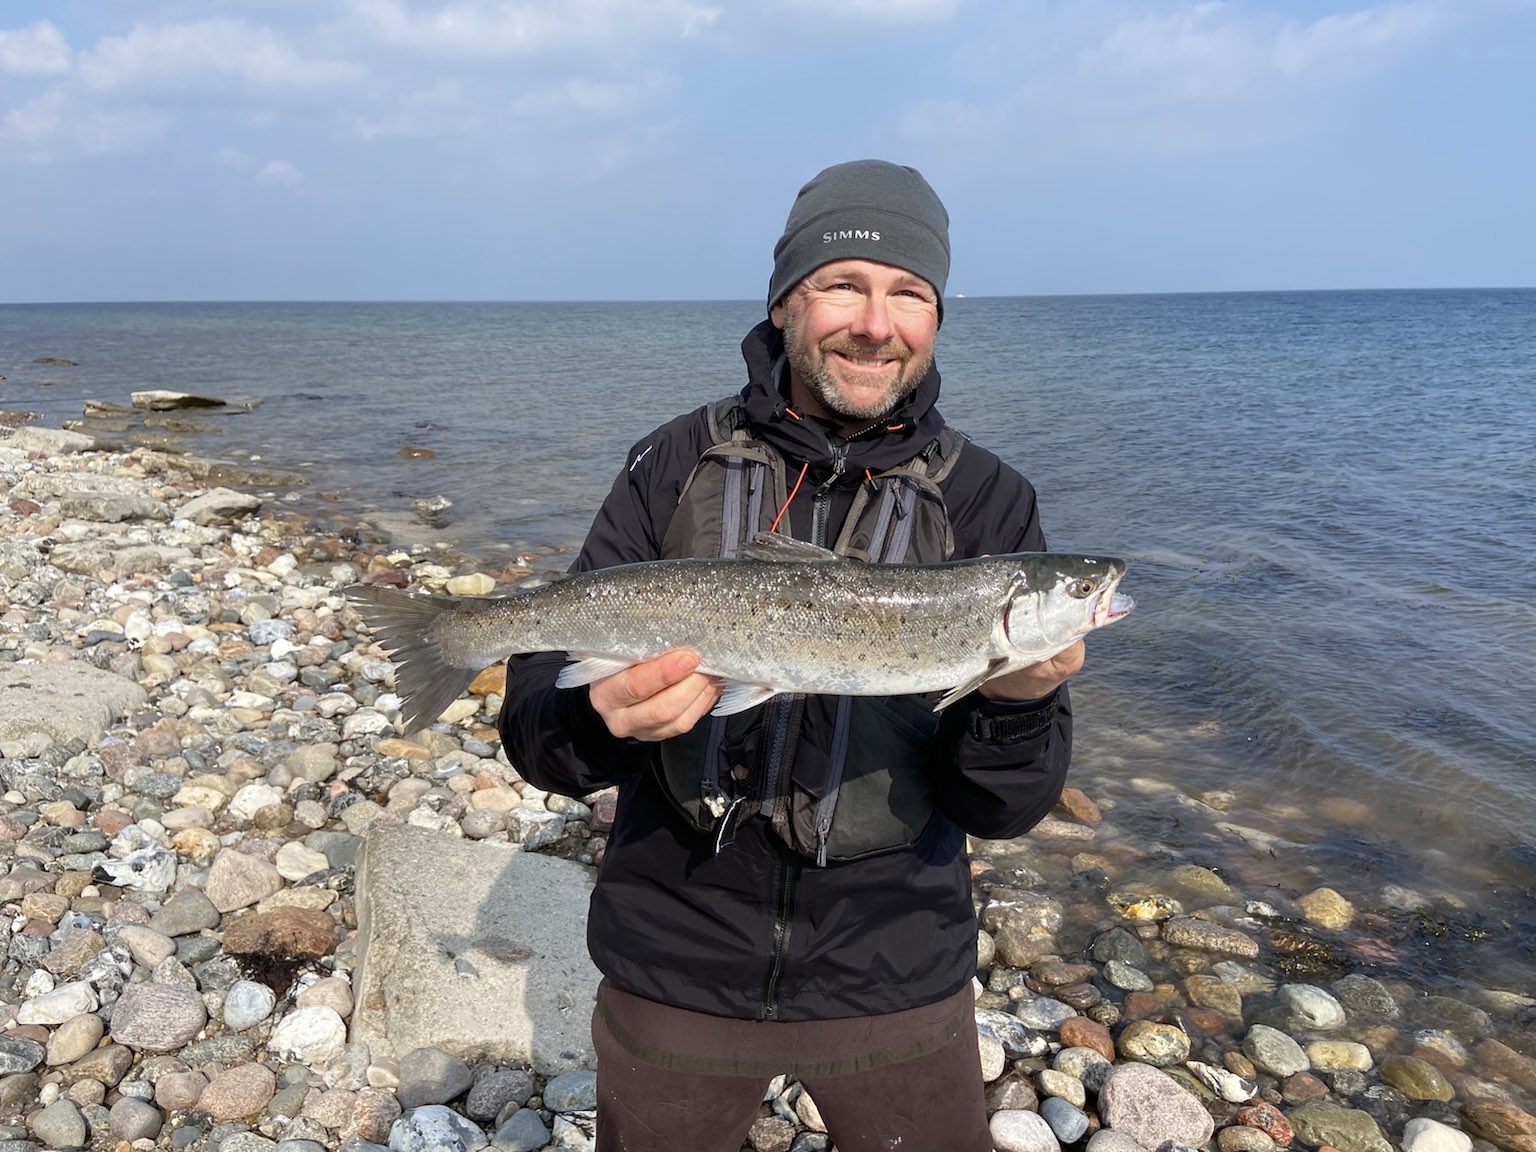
x: 864, y: 210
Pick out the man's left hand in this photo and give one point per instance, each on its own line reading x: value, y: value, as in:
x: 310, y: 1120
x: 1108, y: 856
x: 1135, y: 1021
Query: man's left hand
x: 1038, y: 679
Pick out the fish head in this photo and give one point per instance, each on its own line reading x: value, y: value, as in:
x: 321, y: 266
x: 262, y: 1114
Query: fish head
x: 1056, y: 598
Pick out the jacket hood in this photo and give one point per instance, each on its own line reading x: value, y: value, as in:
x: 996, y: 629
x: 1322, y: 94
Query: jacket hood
x: 895, y: 440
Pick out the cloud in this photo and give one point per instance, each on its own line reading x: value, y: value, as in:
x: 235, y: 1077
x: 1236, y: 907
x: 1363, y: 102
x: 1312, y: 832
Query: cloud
x: 885, y: 11
x: 1138, y: 77
x: 210, y: 56
x: 279, y: 174
x: 1212, y: 51
x: 36, y: 50
x: 490, y: 30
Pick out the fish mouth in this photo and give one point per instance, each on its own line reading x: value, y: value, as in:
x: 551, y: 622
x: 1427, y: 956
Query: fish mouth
x: 1109, y: 606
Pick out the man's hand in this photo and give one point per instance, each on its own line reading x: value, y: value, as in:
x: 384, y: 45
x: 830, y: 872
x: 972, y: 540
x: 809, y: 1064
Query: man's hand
x: 1038, y: 679
x: 655, y: 699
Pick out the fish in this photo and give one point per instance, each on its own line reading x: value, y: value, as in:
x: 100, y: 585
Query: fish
x: 782, y: 616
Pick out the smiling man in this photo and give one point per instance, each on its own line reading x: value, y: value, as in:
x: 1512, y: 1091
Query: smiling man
x: 786, y: 890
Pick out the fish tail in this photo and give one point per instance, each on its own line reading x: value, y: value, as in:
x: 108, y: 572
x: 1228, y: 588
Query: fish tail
x: 425, y: 682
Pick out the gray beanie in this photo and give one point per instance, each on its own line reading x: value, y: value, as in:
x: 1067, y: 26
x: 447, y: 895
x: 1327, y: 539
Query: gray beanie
x: 864, y: 210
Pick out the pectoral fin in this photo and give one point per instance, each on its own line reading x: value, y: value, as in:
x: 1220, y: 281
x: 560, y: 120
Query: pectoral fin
x: 996, y: 668
x: 785, y: 549
x: 738, y: 697
x: 589, y: 669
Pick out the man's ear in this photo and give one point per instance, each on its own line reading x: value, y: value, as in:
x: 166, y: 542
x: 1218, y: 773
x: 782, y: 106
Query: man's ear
x: 776, y: 316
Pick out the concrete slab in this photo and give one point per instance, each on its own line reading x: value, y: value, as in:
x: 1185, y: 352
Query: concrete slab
x: 475, y: 948
x: 56, y: 703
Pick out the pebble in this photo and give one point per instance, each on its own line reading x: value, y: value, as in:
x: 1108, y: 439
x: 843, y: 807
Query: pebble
x: 314, y: 1035
x: 131, y: 1120
x: 1150, y: 1108
x: 1022, y: 1132
x: 1272, y: 1051
x: 158, y: 1017
x: 431, y: 1076
x: 247, y: 1004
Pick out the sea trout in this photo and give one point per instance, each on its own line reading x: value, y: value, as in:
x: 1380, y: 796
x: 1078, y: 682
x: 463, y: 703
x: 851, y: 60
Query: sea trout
x: 786, y: 616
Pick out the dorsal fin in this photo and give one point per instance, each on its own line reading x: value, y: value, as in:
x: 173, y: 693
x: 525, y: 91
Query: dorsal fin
x: 775, y: 546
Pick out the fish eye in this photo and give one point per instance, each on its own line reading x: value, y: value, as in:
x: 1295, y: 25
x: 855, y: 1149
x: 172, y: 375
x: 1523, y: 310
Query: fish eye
x: 1082, y: 589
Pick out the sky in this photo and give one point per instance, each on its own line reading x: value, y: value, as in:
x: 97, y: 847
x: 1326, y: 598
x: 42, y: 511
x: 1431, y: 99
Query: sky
x: 650, y: 149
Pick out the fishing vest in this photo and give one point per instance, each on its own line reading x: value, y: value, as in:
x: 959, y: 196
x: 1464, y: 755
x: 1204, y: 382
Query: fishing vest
x: 821, y: 801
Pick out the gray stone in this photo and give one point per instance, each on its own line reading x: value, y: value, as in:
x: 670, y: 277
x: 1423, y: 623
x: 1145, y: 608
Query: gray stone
x: 574, y: 1091
x: 1127, y: 978
x: 431, y: 1076
x: 493, y: 1093
x: 1311, y: 1009
x: 219, y: 504
x: 1044, y: 1013
x: 185, y: 913
x: 1106, y: 1141
x: 60, y: 1125
x: 49, y: 441
x: 435, y: 1128
x: 1151, y: 1108
x: 107, y: 508
x: 18, y: 1054
x: 157, y: 1017
x: 68, y: 700
x: 427, y: 900
x: 132, y: 1119
x: 1365, y: 1000
x: 524, y: 1131
x: 1068, y: 1122
x: 1272, y: 1051
x: 1347, y: 1129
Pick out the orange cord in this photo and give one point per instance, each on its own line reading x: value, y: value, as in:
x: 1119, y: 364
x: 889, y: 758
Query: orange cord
x: 774, y: 527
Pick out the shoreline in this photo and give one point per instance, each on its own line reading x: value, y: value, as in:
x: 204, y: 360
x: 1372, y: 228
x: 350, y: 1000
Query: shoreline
x: 221, y: 610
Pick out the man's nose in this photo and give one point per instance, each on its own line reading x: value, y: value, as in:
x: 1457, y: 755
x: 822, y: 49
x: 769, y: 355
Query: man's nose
x: 873, y: 322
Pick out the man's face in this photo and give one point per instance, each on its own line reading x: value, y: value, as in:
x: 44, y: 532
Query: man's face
x: 859, y: 337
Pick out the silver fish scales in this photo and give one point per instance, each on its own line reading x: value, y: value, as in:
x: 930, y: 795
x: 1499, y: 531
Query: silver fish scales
x: 784, y: 617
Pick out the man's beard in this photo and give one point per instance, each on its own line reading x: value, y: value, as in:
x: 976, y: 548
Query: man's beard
x: 817, y: 375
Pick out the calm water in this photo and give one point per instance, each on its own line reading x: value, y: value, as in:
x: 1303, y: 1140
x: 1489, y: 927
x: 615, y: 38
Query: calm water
x: 1327, y: 499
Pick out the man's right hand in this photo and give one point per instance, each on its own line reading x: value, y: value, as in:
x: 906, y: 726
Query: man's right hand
x: 657, y: 698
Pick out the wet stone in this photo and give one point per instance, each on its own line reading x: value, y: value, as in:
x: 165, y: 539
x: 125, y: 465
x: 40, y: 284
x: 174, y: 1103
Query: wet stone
x: 1160, y: 1045
x: 1347, y: 1129
x: 1274, y: 1052
x: 1203, y: 936
x: 1414, y: 1078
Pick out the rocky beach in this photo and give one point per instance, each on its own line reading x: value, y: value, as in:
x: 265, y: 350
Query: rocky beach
x: 198, y: 746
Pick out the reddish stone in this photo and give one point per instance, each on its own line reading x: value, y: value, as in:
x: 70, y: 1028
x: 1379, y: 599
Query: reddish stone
x: 29, y: 1032
x: 1057, y: 973
x: 1269, y: 1120
x: 1075, y: 804
x: 1206, y: 1021
x: 1081, y: 1032
x: 1303, y: 1087
x: 1501, y: 1060
x: 1144, y: 1005
x: 289, y: 933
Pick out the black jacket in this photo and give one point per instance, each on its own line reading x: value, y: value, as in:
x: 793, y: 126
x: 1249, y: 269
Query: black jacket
x: 756, y: 931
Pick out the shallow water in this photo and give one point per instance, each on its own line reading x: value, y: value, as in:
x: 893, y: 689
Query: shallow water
x: 1325, y: 498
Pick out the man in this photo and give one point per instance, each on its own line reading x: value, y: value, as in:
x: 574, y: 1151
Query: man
x: 786, y: 890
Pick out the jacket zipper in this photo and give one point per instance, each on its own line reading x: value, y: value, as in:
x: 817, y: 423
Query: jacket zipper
x: 824, y: 489
x: 781, y: 925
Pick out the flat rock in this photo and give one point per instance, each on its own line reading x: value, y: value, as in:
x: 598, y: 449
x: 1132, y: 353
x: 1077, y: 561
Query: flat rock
x: 429, y: 907
x: 51, y: 441
x: 157, y: 1017
x: 218, y: 504
x: 286, y: 933
x: 164, y: 400
x: 1320, y: 1123
x: 70, y: 700
x: 237, y: 880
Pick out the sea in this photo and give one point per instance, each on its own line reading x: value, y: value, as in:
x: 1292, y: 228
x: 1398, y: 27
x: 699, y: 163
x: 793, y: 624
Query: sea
x: 1327, y: 500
